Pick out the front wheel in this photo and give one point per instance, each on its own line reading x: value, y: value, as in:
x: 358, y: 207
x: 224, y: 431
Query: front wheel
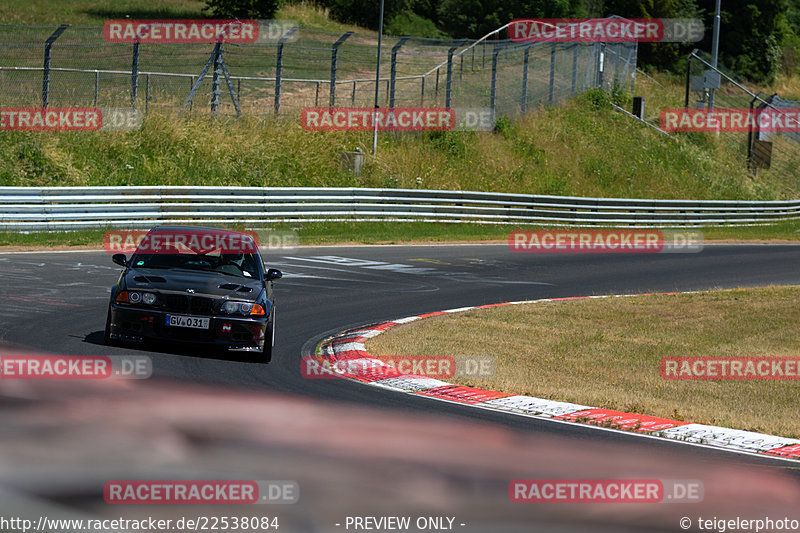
x: 107, y: 340
x: 269, y: 340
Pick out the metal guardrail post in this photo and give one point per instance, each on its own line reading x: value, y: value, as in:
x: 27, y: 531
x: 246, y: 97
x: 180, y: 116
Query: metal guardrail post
x: 279, y: 70
x: 135, y: 74
x: 393, y: 68
x: 525, y: 59
x: 334, y: 57
x: 46, y: 71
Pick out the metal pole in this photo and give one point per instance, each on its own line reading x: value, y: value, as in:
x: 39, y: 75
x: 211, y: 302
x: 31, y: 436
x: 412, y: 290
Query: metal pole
x: 493, y: 90
x: 96, y: 86
x: 353, y: 94
x: 551, y: 94
x: 393, y: 69
x: 449, y: 86
x: 574, y: 68
x: 525, y: 58
x: 279, y: 70
x: 377, y: 83
x: 750, y: 135
x: 714, y: 52
x: 422, y: 93
x: 135, y: 74
x: 147, y: 94
x: 215, y: 80
x: 688, y: 79
x: 334, y: 56
x: 46, y: 71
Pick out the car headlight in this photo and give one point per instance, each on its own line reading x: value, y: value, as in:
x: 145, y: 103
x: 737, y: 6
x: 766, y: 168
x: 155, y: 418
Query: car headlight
x: 149, y: 298
x: 241, y: 308
x: 134, y: 297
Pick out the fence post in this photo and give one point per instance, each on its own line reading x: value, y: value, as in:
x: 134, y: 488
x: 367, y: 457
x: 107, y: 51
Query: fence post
x: 449, y: 86
x: 353, y: 94
x: 147, y: 94
x: 96, y: 86
x: 393, y: 68
x: 493, y: 91
x: 422, y: 93
x: 575, y: 68
x: 215, y: 79
x: 436, y: 88
x: 334, y: 54
x: 688, y: 78
x: 46, y: 71
x: 135, y: 74
x: 601, y: 56
x: 279, y: 70
x: 525, y: 59
x: 552, y: 89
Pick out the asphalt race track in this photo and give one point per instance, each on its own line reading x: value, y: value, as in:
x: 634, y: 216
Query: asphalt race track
x: 52, y: 302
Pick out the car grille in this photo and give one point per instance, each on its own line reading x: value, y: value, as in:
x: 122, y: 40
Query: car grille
x: 196, y: 305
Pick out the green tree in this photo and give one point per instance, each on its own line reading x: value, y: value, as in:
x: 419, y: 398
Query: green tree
x: 242, y: 9
x: 476, y: 18
x: 660, y: 56
x: 751, y: 34
x: 365, y: 12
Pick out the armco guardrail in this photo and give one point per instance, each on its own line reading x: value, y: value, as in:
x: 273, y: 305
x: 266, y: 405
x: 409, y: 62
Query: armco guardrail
x: 70, y: 208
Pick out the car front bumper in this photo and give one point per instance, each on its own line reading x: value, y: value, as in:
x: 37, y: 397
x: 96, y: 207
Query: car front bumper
x: 129, y: 324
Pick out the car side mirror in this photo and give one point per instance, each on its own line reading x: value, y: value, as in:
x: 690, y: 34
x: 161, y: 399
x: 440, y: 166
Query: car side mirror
x: 274, y: 273
x: 120, y: 259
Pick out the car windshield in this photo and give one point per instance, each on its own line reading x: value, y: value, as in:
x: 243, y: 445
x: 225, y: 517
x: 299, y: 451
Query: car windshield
x: 241, y: 265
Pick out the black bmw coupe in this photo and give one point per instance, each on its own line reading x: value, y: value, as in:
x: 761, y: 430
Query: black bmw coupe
x: 194, y: 285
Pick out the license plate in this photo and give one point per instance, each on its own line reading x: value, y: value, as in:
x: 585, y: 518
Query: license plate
x: 183, y: 321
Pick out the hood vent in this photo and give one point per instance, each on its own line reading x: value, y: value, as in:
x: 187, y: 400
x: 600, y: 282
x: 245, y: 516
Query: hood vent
x: 235, y: 287
x: 149, y: 279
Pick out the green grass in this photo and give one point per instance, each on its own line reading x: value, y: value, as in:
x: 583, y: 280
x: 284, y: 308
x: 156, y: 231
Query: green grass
x: 574, y: 149
x: 316, y: 233
x: 95, y: 12
x: 606, y: 352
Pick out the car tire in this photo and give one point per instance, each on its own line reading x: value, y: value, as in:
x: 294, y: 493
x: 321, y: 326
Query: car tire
x: 107, y: 340
x: 269, y: 340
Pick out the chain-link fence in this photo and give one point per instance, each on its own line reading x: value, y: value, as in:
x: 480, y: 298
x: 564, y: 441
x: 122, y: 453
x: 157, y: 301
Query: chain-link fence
x: 75, y: 66
x: 777, y: 153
